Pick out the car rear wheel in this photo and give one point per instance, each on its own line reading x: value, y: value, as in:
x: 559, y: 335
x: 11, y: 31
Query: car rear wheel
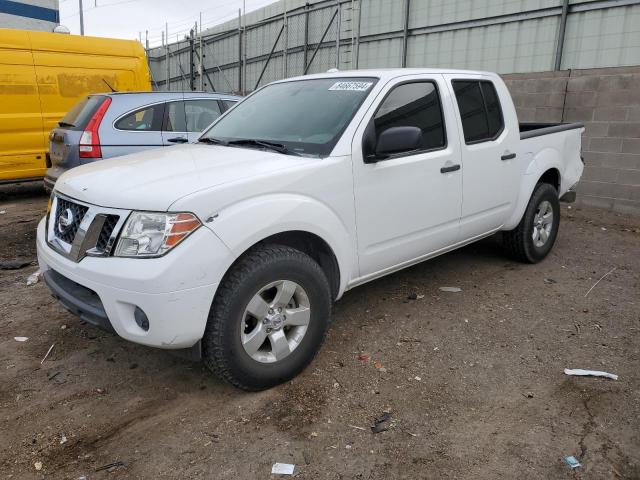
x: 268, y: 319
x: 534, y: 237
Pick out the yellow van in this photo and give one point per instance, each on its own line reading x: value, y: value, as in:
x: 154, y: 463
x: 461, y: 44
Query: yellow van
x: 42, y: 75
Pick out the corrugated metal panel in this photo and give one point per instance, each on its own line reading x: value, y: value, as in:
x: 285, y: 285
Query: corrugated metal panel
x: 511, y: 47
x: 437, y: 12
x: 603, y: 38
x: 380, y: 16
x: 381, y: 54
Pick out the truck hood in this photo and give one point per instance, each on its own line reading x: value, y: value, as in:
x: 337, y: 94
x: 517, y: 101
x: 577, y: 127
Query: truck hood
x: 154, y: 179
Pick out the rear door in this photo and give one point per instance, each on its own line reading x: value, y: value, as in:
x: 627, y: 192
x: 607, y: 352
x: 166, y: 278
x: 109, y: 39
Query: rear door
x: 408, y: 205
x: 137, y: 130
x: 199, y: 114
x: 488, y: 154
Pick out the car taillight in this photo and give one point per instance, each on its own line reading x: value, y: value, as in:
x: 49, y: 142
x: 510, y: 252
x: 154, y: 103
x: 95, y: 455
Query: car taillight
x: 90, y: 140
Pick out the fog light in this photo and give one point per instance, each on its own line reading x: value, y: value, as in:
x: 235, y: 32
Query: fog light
x: 141, y: 319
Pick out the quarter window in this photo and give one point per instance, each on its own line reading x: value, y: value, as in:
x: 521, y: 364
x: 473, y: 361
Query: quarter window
x: 146, y: 119
x: 415, y: 104
x: 480, y: 110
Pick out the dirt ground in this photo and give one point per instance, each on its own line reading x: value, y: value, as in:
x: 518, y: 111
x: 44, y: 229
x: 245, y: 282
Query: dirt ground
x: 473, y: 380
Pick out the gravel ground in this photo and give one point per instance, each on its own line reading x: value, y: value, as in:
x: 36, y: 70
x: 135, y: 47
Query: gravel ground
x: 473, y: 380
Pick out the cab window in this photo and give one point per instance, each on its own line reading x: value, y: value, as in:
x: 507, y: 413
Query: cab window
x: 480, y: 110
x: 175, y: 118
x: 415, y: 104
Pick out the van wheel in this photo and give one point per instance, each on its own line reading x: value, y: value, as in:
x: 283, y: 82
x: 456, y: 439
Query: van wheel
x: 533, y: 238
x: 268, y: 319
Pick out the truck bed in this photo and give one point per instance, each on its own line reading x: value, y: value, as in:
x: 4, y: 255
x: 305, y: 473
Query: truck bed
x: 534, y: 129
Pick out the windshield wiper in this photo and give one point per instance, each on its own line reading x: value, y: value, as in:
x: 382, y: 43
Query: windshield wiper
x: 276, y: 147
x: 211, y: 141
x: 65, y: 124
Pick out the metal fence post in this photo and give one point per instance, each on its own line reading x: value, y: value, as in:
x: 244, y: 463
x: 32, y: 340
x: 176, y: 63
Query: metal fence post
x: 240, y: 89
x: 563, y: 26
x: 306, y: 33
x: 405, y: 33
x: 285, y: 26
x: 192, y: 73
x: 166, y: 36
x: 359, y: 22
x: 338, y: 25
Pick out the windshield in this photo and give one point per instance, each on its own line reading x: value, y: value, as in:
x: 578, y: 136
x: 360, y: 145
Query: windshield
x: 306, y: 117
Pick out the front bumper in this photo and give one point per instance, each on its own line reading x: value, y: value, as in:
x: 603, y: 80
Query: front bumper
x: 174, y: 291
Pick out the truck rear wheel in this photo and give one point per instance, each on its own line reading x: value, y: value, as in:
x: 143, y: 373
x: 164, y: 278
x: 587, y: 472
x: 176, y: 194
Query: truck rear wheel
x: 268, y: 319
x: 533, y: 238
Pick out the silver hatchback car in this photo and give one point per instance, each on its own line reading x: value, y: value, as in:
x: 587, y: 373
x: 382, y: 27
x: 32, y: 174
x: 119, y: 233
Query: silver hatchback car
x: 113, y: 124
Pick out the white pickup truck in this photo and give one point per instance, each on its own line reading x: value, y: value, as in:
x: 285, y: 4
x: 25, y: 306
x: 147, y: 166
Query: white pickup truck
x: 233, y: 249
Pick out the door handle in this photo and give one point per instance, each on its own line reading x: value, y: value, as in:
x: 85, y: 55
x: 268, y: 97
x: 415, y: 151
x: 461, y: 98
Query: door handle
x: 508, y: 156
x: 178, y: 140
x: 450, y: 168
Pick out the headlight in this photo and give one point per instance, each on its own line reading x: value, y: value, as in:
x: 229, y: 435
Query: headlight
x: 149, y: 234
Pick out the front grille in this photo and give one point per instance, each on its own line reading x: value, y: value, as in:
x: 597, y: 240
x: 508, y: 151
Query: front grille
x: 107, y: 229
x: 72, y: 211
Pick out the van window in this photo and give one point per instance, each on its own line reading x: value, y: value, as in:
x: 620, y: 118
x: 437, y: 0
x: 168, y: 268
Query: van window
x: 80, y: 114
x: 415, y: 104
x: 146, y: 119
x: 480, y: 110
x: 201, y: 113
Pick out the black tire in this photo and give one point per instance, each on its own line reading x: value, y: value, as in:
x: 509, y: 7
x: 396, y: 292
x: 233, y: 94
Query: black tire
x: 519, y: 242
x: 222, y: 349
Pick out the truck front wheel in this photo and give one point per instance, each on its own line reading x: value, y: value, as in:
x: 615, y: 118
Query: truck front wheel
x: 268, y: 319
x: 536, y: 233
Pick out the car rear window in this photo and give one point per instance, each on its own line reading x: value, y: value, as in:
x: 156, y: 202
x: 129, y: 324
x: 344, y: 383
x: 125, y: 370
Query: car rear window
x: 80, y: 114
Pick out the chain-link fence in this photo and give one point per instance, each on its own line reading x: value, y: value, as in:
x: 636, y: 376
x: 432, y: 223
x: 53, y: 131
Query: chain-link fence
x: 499, y: 35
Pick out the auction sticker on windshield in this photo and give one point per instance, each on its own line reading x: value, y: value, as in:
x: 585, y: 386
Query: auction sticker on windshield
x: 351, y: 86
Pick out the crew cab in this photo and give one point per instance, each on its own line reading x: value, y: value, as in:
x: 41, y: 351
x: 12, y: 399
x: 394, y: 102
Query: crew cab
x: 234, y: 249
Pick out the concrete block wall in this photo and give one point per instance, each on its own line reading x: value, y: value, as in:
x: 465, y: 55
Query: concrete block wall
x: 607, y: 101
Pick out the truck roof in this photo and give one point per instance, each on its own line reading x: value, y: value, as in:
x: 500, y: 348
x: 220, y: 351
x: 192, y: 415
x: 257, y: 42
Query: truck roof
x: 389, y: 73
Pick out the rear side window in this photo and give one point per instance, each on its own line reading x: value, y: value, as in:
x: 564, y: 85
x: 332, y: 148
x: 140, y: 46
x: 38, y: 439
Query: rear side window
x: 78, y: 117
x: 415, y: 104
x: 147, y: 119
x: 201, y: 113
x: 480, y: 110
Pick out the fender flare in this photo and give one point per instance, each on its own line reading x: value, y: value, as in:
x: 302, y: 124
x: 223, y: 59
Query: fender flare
x: 545, y: 160
x: 244, y: 224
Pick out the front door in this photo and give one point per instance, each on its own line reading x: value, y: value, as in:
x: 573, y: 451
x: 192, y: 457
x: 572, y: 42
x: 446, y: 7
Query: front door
x: 408, y: 204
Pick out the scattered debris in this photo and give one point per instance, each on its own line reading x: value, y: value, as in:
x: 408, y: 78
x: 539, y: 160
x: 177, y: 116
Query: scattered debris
x: 357, y: 428
x: 101, y: 391
x: 34, y: 278
x: 21, y: 339
x: 380, y: 367
x: 63, y: 439
x: 380, y: 423
x: 283, y: 468
x: 15, y: 264
x: 571, y: 461
x: 451, y: 289
x: 415, y: 296
x: 364, y: 357
x: 529, y: 395
x: 47, y: 354
x: 589, y: 373
x: 550, y: 281
x: 417, y: 378
x: 594, y: 285
x: 51, y: 377
x: 109, y: 466
x: 38, y: 466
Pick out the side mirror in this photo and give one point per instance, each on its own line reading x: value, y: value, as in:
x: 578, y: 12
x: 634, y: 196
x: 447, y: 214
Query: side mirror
x: 398, y: 140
